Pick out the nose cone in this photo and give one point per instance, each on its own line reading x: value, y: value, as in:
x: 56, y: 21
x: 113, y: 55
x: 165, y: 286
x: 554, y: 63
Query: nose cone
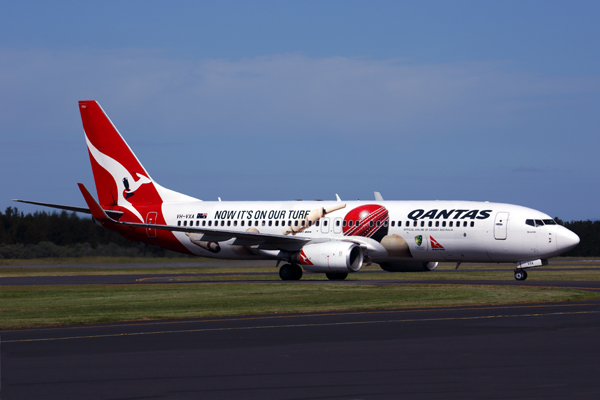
x: 566, y: 239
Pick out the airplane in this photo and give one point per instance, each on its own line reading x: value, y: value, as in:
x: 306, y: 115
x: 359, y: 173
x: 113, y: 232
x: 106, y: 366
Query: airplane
x: 332, y: 237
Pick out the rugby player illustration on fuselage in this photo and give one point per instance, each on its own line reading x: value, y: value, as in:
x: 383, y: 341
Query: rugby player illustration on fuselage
x: 331, y: 237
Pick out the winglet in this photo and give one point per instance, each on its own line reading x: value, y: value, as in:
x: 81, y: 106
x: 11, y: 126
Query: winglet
x: 378, y: 196
x: 97, y: 212
x: 337, y: 197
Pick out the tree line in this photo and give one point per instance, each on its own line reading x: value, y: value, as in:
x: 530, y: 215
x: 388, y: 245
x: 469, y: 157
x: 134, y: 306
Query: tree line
x: 63, y: 234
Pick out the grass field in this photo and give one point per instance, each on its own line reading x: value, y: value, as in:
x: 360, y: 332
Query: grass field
x: 39, y: 306
x: 243, y: 293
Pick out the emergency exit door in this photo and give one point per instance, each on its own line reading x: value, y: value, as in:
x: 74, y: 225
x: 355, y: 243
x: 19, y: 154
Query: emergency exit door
x: 151, y: 220
x: 501, y: 225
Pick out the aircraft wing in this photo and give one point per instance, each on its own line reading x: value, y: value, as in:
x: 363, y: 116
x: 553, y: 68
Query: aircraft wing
x: 282, y: 242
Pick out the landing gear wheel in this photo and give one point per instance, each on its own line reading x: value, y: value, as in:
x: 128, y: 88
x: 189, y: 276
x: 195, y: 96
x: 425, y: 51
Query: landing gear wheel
x: 290, y: 272
x: 336, y: 276
x: 520, y: 275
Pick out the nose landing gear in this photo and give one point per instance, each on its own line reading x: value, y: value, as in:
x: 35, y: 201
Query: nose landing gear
x: 520, y: 274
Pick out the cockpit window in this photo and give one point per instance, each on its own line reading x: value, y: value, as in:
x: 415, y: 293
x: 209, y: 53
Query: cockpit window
x: 539, y: 222
x: 550, y: 222
x: 530, y: 222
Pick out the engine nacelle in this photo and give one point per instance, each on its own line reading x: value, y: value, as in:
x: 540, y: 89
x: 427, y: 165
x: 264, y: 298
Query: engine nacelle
x: 408, y: 266
x: 333, y: 256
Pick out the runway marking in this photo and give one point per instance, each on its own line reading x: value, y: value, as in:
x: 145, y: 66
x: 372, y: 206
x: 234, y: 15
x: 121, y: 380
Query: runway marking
x: 304, y: 325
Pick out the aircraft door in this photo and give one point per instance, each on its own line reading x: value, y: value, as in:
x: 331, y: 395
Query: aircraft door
x: 337, y: 225
x: 151, y: 219
x: 324, y: 225
x: 500, y: 226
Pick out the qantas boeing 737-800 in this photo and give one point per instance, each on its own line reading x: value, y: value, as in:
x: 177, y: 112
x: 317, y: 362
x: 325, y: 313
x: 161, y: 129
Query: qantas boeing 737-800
x: 331, y: 237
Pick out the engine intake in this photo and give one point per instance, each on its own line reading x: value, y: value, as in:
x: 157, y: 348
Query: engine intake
x: 334, y: 256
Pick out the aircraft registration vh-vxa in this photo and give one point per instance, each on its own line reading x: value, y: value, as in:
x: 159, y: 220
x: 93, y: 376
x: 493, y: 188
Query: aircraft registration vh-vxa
x: 331, y: 237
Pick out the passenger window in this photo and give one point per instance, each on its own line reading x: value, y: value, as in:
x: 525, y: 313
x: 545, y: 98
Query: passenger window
x: 370, y: 223
x: 337, y: 223
x: 184, y: 223
x: 263, y: 223
x: 276, y: 223
x: 443, y: 223
x: 350, y: 223
x: 399, y: 224
x: 464, y: 224
x: 538, y: 222
x: 203, y: 223
x: 270, y: 223
x: 310, y: 224
x: 437, y: 223
x: 393, y: 222
x: 228, y: 223
x: 450, y: 224
x: 317, y: 223
x: 344, y: 223
x: 378, y: 223
x: 209, y: 223
x: 422, y: 224
x: 242, y: 223
x: 296, y: 223
x: 530, y: 222
x: 324, y: 223
x: 255, y: 223
x: 302, y: 223
x: 385, y: 224
x: 430, y: 224
x: 472, y: 224
x: 178, y: 223
x: 234, y: 223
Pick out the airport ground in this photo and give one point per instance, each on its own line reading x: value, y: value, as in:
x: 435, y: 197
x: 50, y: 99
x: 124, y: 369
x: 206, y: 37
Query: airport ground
x: 521, y: 350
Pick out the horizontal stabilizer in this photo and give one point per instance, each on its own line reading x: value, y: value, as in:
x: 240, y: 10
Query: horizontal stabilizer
x: 113, y: 214
x: 97, y: 212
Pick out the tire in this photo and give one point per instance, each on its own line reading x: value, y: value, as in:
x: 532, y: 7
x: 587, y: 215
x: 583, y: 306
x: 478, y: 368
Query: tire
x: 336, y: 276
x: 286, y: 272
x: 290, y: 272
x: 520, y: 275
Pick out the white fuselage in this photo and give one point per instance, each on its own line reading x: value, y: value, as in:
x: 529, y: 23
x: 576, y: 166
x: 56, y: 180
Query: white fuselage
x: 462, y: 231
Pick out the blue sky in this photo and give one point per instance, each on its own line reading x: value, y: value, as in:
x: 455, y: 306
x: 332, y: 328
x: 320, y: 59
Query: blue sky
x: 472, y: 100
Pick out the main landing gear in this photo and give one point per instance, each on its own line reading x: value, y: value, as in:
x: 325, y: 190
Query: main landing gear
x: 290, y: 272
x: 520, y: 274
x: 336, y: 276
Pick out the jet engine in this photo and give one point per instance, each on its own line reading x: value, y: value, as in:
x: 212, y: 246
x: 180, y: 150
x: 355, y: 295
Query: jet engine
x: 333, y: 256
x: 408, y: 266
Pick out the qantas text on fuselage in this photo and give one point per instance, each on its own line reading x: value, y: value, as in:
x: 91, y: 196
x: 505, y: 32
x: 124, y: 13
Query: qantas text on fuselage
x: 331, y: 237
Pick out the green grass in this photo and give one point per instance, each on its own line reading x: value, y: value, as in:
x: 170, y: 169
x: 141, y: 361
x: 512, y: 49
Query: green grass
x: 578, y: 272
x: 72, y: 271
x: 102, y: 260
x: 38, y: 306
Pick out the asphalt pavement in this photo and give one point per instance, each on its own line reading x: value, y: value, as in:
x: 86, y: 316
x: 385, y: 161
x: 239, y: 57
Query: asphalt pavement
x: 498, y: 352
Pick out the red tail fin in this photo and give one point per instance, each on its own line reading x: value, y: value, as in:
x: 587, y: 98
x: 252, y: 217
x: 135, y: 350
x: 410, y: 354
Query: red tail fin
x: 120, y: 178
